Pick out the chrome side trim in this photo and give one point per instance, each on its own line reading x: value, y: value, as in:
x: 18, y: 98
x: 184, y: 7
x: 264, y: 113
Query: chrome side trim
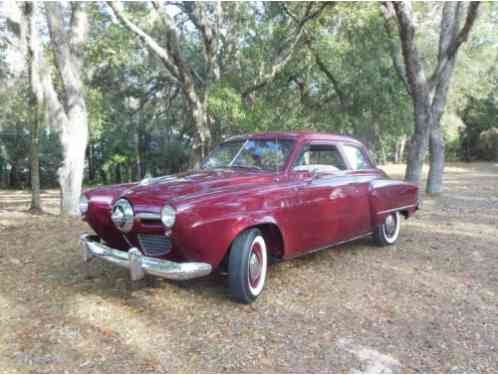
x: 148, y: 216
x: 396, y: 209
x: 140, y: 265
x: 383, y: 182
x: 331, y: 245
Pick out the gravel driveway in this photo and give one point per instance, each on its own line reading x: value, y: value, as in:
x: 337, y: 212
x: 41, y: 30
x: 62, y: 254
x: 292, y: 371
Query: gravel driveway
x: 429, y: 304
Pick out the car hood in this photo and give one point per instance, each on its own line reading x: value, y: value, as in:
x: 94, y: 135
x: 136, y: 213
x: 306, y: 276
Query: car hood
x: 151, y: 195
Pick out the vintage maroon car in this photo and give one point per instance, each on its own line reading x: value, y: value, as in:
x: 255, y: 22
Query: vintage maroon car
x: 255, y: 198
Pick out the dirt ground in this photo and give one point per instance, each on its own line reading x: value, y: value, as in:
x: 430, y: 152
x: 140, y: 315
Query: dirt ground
x: 428, y: 304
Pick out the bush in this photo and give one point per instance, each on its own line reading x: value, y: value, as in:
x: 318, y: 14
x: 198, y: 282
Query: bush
x: 488, y: 144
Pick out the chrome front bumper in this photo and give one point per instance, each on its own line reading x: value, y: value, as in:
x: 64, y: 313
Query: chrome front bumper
x: 140, y: 265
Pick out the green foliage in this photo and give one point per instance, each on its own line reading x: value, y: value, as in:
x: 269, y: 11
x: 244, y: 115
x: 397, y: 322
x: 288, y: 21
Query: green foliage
x: 480, y: 116
x: 15, y: 138
x: 139, y: 123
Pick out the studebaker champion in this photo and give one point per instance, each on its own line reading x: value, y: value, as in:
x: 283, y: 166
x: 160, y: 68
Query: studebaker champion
x: 255, y: 198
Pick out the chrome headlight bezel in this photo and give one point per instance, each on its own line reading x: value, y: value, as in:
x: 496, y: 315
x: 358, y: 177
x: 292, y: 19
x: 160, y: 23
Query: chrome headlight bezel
x: 122, y: 215
x: 83, y: 204
x: 168, y: 216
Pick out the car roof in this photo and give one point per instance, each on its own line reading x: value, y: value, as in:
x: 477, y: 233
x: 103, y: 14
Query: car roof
x: 298, y: 136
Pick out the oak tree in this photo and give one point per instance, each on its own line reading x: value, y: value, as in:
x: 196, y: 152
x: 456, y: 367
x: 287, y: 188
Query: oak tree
x: 428, y: 92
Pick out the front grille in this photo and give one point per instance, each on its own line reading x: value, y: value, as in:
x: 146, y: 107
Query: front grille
x: 154, y: 245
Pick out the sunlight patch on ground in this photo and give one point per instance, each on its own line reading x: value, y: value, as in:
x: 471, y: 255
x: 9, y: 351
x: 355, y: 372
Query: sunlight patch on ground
x: 11, y: 315
x: 125, y: 322
x: 473, y: 198
x: 486, y: 232
x: 443, y: 284
x: 371, y: 360
x: 20, y: 201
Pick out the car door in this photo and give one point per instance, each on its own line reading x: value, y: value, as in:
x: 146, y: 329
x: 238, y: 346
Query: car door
x: 323, y: 197
x: 360, y: 172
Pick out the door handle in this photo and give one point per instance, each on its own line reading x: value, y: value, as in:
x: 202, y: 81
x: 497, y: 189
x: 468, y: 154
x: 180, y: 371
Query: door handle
x: 354, y: 188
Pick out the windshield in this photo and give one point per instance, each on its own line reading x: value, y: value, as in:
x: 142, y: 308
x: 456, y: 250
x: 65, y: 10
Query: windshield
x: 264, y: 154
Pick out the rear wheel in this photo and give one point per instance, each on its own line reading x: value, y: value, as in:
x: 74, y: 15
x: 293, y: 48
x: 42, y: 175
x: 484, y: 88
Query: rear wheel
x: 247, y: 266
x: 387, y: 233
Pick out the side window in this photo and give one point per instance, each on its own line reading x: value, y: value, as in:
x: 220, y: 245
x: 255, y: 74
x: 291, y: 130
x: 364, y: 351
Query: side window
x: 356, y: 157
x: 320, y: 158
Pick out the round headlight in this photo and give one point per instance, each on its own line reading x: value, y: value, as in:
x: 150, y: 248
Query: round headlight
x: 122, y: 215
x: 168, y: 216
x: 83, y: 204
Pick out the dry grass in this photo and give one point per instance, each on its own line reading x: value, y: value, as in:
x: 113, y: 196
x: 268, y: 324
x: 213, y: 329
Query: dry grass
x: 428, y: 304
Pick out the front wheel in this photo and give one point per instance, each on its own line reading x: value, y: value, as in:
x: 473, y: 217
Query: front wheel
x: 387, y: 233
x: 247, y: 266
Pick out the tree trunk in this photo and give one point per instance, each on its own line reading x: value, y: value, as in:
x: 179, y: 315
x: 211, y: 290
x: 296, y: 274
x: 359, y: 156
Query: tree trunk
x: 36, y: 102
x: 21, y: 21
x: 35, y: 160
x: 91, y: 163
x: 130, y: 173
x: 379, y: 144
x: 138, y: 155
x: 400, y: 150
x: 202, y: 137
x: 428, y: 95
x: 418, y: 143
x: 435, y: 179
x: 68, y: 45
x: 397, y: 152
x: 140, y: 147
x: 103, y: 176
x: 4, y: 176
x: 117, y: 170
x: 4, y: 179
x: 74, y: 140
x: 13, y: 180
x: 436, y: 144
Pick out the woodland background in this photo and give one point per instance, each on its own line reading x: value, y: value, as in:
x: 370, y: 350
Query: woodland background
x: 101, y: 93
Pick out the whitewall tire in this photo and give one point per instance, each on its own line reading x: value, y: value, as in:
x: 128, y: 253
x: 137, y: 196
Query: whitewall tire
x: 387, y: 233
x: 248, y: 266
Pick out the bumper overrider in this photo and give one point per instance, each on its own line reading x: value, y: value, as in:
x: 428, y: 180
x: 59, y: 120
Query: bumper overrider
x: 140, y: 265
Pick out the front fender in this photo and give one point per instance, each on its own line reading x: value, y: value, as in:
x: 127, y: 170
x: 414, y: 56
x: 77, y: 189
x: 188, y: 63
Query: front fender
x: 209, y: 240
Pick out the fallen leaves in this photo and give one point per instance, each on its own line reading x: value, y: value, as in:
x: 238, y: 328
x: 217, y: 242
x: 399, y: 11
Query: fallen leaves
x: 431, y: 303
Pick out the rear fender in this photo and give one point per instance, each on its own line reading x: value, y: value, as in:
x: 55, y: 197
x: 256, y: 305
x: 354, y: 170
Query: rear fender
x: 387, y: 196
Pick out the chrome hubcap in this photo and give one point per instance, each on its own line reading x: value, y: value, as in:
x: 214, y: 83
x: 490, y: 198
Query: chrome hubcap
x: 390, y: 225
x: 255, y: 266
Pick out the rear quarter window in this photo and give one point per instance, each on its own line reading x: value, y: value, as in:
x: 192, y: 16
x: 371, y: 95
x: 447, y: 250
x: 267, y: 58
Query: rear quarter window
x: 356, y: 157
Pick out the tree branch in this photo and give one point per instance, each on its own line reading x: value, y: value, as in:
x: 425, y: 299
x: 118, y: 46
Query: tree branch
x: 324, y: 69
x: 16, y: 24
x: 389, y: 14
x: 414, y: 71
x: 62, y: 51
x: 451, y: 50
x: 186, y: 72
x: 147, y: 39
x: 197, y: 13
x: 281, y: 61
x: 79, y: 27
